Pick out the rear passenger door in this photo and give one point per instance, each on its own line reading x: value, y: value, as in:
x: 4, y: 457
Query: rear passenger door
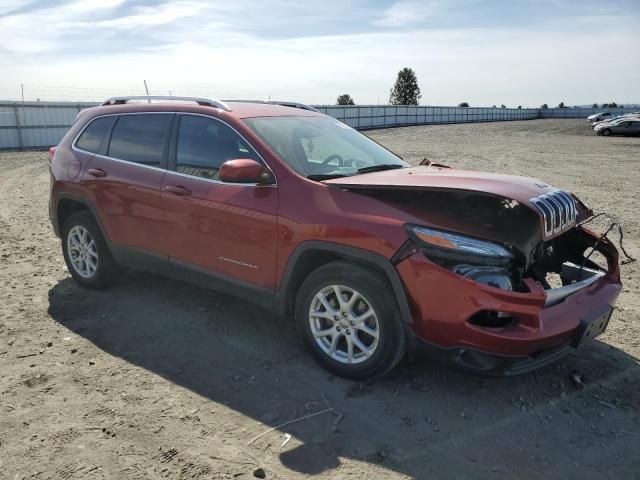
x: 124, y: 183
x: 217, y: 231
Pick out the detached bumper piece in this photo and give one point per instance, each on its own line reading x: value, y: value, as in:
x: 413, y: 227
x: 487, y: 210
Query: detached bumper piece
x: 583, y: 277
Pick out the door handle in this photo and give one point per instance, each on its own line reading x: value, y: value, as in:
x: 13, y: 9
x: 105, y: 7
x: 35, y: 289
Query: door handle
x: 177, y: 190
x: 97, y: 172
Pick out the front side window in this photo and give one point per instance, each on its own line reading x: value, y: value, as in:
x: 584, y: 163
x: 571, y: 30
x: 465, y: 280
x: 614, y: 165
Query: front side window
x: 204, y: 144
x: 91, y: 138
x: 140, y: 138
x: 319, y: 147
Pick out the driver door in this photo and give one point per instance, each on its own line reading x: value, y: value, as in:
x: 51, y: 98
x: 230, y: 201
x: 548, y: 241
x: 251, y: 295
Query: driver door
x: 223, y: 230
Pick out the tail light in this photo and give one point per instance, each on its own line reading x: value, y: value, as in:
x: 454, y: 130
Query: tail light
x: 52, y: 152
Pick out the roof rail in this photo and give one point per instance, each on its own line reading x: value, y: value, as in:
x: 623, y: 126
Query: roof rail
x: 278, y: 102
x: 205, y: 102
x: 295, y: 105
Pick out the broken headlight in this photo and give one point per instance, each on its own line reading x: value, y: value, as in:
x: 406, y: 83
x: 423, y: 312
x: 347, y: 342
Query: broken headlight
x: 480, y: 260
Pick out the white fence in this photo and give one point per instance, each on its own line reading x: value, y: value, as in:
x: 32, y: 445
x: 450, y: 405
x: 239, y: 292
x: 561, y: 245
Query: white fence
x: 36, y: 124
x: 365, y: 117
x: 42, y: 124
x: 582, y: 112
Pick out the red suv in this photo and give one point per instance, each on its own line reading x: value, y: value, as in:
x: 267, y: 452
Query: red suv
x: 297, y: 212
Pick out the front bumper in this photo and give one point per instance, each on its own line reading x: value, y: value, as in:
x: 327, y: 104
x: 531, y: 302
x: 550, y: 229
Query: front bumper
x: 489, y: 364
x: 443, y: 303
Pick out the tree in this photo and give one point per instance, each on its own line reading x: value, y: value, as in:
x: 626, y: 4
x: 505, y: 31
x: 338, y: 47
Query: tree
x: 493, y: 106
x: 464, y: 104
x: 595, y: 105
x: 519, y: 107
x: 561, y: 105
x: 503, y: 106
x: 605, y: 105
x: 613, y: 105
x: 345, y: 99
x: 544, y: 105
x: 620, y: 106
x: 406, y: 90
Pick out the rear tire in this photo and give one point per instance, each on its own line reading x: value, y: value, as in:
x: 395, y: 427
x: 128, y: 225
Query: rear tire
x: 86, y: 252
x: 358, y: 335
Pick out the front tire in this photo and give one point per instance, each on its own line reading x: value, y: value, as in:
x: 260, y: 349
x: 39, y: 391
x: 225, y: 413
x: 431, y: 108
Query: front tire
x: 350, y: 321
x: 606, y: 132
x: 86, y: 252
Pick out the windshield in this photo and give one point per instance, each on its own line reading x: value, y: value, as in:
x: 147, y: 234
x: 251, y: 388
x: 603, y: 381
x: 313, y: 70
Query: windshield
x: 322, y: 147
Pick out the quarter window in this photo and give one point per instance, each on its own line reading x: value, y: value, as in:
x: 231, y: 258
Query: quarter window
x: 92, y: 136
x: 204, y: 144
x: 140, y: 138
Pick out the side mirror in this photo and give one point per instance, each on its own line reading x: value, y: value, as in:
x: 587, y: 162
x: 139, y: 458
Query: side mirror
x: 245, y: 170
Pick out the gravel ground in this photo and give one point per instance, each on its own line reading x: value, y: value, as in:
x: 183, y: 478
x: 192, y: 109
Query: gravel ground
x: 157, y: 379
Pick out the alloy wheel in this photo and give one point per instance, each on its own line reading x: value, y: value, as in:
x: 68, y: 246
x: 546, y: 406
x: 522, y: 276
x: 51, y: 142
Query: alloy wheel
x: 83, y: 252
x: 344, y: 324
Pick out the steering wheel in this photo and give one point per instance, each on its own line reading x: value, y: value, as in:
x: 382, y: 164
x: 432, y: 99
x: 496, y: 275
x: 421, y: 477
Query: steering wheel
x: 341, y: 162
x: 335, y: 156
x: 353, y: 162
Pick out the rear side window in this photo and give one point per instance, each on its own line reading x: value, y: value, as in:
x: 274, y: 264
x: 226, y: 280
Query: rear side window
x: 204, y: 144
x: 140, y: 138
x: 94, y: 134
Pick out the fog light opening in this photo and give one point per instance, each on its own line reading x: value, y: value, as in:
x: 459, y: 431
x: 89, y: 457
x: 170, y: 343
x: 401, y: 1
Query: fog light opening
x: 493, y: 319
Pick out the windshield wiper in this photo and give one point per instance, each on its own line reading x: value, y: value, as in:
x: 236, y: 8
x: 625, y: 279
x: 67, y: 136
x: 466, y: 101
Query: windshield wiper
x: 380, y: 168
x: 325, y: 176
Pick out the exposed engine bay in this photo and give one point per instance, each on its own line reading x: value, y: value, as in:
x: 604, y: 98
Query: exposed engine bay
x: 517, y: 253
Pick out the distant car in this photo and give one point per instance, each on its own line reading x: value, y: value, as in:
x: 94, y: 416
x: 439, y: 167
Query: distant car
x: 598, y: 117
x: 607, y: 120
x: 627, y: 126
x: 617, y: 118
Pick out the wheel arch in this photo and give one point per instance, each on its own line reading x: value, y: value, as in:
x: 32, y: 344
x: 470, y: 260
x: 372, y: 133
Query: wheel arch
x: 68, y: 204
x: 312, y: 254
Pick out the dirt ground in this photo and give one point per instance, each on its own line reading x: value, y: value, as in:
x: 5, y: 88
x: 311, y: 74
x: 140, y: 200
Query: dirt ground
x: 157, y: 379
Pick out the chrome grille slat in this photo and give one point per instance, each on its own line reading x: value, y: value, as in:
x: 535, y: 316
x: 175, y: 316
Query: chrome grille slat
x: 572, y: 205
x: 562, y: 217
x: 567, y: 208
x: 558, y: 210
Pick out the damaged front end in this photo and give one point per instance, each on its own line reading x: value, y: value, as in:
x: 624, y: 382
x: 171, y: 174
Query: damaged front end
x: 502, y: 243
x: 573, y: 261
x: 501, y: 274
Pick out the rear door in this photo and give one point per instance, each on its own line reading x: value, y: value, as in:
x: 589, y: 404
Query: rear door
x: 221, y: 230
x: 124, y: 182
x: 622, y: 128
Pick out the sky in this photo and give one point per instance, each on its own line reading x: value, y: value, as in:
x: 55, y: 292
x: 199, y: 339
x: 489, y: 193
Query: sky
x: 483, y: 52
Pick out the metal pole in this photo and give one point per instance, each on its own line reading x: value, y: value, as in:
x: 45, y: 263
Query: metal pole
x: 18, y: 126
x: 147, y: 90
x: 22, y: 91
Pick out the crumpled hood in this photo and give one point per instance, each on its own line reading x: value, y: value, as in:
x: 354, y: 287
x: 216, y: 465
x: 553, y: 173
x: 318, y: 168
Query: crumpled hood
x: 521, y: 189
x: 509, y: 209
